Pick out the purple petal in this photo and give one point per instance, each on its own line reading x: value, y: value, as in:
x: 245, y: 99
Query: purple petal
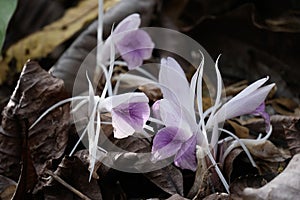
x: 167, y: 142
x: 156, y: 109
x: 130, y: 111
x: 134, y: 114
x: 129, y: 23
x: 134, y: 47
x: 260, y: 110
x: 186, y: 156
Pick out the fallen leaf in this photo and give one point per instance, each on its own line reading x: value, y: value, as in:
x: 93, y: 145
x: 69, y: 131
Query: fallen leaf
x: 239, y: 130
x: 169, y: 179
x: 285, y: 186
x: 267, y: 151
x: 284, y: 106
x: 292, y: 134
x: 28, y: 177
x: 36, y: 91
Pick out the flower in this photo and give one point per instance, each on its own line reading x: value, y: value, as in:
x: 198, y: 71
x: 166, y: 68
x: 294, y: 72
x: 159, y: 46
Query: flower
x: 176, y: 111
x: 129, y: 111
x: 183, y: 131
x: 133, y: 44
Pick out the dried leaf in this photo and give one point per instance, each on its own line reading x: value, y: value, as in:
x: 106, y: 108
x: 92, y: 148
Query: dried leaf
x: 76, y: 174
x: 169, y: 179
x: 292, y: 134
x: 239, y: 130
x: 7, y: 188
x: 284, y: 106
x: 285, y: 186
x: 36, y: 91
x: 68, y: 65
x: 229, y: 165
x: 267, y: 151
x: 41, y: 43
x: 28, y: 177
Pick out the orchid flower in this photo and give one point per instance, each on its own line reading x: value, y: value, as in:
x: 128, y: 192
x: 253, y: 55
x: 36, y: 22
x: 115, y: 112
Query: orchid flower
x: 183, y: 131
x: 133, y: 44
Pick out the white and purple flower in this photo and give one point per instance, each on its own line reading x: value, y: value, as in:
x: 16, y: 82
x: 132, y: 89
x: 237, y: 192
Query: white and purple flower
x: 183, y: 131
x: 133, y: 44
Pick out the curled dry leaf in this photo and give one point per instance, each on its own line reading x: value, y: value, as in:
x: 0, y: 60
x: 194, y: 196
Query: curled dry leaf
x: 285, y: 186
x: 35, y: 92
x: 75, y: 173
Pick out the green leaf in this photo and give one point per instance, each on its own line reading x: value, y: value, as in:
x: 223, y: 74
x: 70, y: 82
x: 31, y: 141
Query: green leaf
x: 7, y: 8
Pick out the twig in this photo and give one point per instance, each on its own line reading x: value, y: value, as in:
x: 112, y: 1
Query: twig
x: 71, y: 188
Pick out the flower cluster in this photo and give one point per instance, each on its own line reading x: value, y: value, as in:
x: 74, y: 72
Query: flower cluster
x: 183, y: 127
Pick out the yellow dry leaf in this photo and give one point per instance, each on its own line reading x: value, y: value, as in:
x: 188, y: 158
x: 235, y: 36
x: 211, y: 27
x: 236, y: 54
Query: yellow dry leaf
x: 43, y: 42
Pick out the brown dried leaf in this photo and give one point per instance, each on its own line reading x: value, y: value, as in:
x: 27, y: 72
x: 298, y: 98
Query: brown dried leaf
x: 285, y: 186
x: 292, y: 134
x: 284, y: 106
x: 239, y: 130
x: 169, y: 179
x: 267, y: 151
x: 35, y: 92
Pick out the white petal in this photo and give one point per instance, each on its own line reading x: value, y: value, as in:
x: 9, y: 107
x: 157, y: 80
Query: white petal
x: 133, y: 97
x: 174, y: 84
x: 244, y: 105
x: 251, y: 88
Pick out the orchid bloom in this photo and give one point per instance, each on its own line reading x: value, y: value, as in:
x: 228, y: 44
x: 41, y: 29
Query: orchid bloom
x: 133, y: 44
x: 183, y: 131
